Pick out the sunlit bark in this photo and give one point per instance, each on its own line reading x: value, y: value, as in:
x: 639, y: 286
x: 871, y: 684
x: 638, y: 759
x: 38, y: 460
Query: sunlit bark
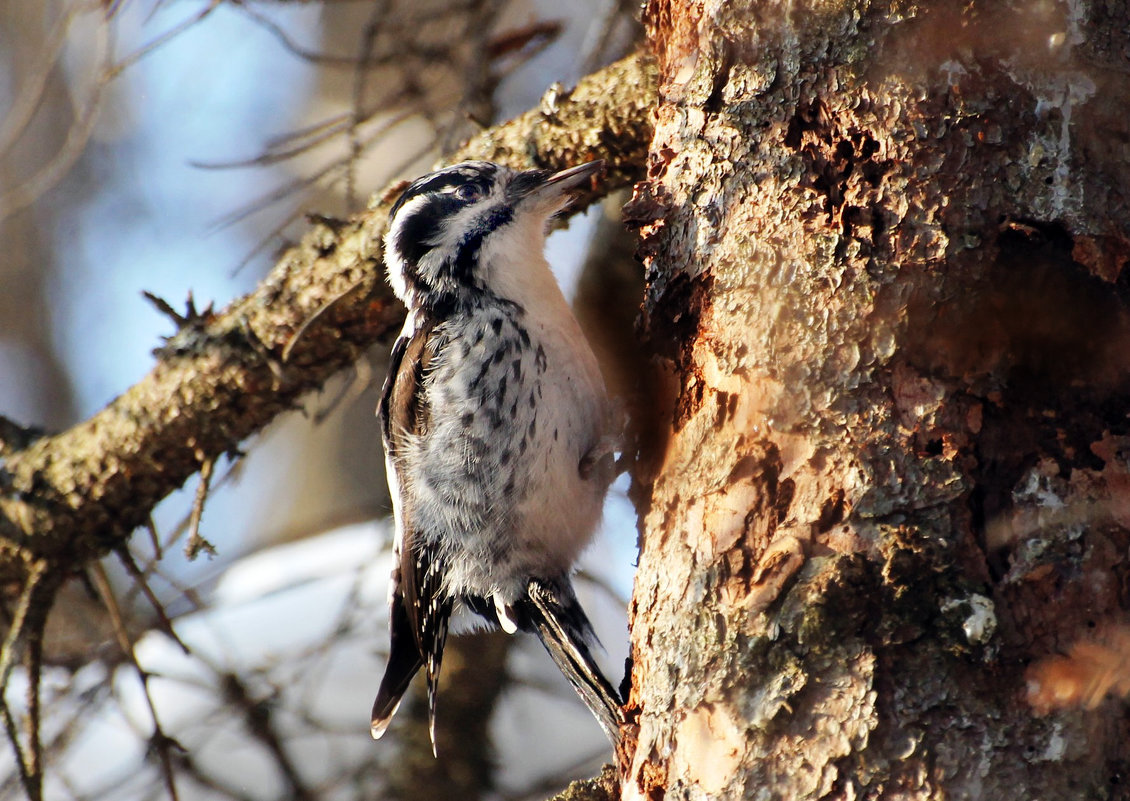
x: 885, y: 248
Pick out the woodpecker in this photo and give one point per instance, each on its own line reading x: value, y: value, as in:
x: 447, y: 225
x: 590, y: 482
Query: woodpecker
x: 498, y: 431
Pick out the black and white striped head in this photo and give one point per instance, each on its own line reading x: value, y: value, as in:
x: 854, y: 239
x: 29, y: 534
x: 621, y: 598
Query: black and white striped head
x: 451, y: 230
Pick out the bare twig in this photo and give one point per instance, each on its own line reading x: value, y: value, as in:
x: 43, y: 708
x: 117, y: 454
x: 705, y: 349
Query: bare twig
x: 166, y: 625
x: 196, y: 543
x: 360, y: 81
x: 363, y: 376
x: 232, y: 473
x: 19, y: 114
x: 13, y: 732
x: 327, y: 176
x: 36, y: 617
x: 21, y: 620
x: 106, y: 594
x: 288, y: 43
x: 257, y: 718
x: 162, y: 39
x: 24, y: 194
x: 220, y: 788
x: 363, y: 62
x: 162, y: 743
x: 329, y: 304
x: 303, y: 140
x: 154, y: 539
x: 597, y: 44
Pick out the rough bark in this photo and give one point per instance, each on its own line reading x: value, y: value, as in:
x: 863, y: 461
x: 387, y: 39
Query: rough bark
x: 604, y: 787
x: 886, y: 248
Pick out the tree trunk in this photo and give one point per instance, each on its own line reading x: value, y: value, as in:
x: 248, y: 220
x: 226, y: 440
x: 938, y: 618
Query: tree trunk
x: 885, y: 248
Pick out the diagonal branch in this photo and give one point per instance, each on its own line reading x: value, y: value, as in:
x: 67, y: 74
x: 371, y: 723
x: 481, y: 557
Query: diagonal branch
x: 76, y: 496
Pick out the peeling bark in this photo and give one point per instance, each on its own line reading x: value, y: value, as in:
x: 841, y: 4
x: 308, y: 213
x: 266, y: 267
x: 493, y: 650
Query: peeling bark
x: 886, y: 249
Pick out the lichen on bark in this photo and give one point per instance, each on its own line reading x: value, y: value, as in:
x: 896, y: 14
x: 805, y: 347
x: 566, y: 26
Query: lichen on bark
x: 871, y: 233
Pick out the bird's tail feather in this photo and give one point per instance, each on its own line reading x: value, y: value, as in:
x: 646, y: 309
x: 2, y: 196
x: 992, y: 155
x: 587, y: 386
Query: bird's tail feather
x: 403, y: 663
x: 563, y: 628
x: 435, y: 657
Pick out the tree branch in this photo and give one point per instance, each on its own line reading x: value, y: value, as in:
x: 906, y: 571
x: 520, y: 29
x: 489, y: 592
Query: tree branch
x: 603, y: 787
x: 76, y: 496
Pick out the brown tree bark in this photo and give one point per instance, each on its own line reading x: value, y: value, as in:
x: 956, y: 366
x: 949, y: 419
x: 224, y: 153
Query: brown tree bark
x: 886, y: 248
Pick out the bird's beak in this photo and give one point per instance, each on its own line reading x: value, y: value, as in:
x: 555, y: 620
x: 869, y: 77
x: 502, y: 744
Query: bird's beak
x: 555, y: 189
x: 575, y: 177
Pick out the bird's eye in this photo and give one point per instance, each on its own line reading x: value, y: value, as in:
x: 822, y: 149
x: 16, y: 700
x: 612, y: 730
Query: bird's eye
x: 467, y: 193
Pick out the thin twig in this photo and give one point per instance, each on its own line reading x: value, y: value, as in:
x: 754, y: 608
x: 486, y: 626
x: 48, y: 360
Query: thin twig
x: 325, y: 307
x: 154, y: 539
x: 178, y: 531
x: 106, y: 594
x: 364, y: 62
x: 14, y: 738
x: 327, y: 176
x: 595, y: 48
x: 68, y: 728
x: 315, y: 131
x: 301, y: 141
x: 161, y: 742
x: 196, y: 543
x: 166, y: 625
x: 362, y: 378
x: 34, y: 752
x: 273, y: 236
x: 360, y: 81
x: 509, y: 52
x: 27, y: 192
x: 20, y: 619
x: 162, y: 39
x: 19, y: 114
x: 219, y: 788
x: 603, y: 584
x: 279, y: 193
x: 28, y: 621
x: 257, y: 717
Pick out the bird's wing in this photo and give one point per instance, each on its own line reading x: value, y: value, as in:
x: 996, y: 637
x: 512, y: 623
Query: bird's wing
x: 419, y: 610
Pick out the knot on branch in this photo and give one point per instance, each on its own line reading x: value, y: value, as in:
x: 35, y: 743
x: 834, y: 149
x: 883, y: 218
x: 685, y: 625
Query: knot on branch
x: 190, y: 323
x: 16, y: 437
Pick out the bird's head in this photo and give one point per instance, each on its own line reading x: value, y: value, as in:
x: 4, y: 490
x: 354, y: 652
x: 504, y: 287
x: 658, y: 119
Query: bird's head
x: 456, y: 231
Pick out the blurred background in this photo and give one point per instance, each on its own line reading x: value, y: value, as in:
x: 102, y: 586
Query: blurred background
x: 174, y: 148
